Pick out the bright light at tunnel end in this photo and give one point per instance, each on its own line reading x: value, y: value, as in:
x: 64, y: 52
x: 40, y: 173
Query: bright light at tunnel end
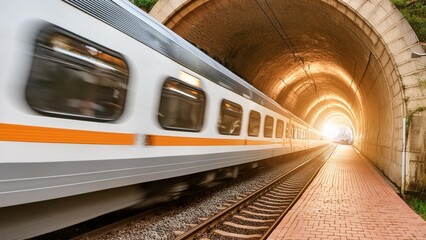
x: 338, y: 133
x: 330, y: 131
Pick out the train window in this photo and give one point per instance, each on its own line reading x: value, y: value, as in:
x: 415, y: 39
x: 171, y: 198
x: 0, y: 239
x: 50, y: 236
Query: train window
x: 269, y: 126
x: 230, y: 118
x: 72, y: 77
x: 254, y: 124
x: 279, y: 130
x: 287, y: 130
x: 181, y: 106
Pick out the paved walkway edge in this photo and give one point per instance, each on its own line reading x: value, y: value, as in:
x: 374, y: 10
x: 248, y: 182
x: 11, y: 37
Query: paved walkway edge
x: 350, y: 199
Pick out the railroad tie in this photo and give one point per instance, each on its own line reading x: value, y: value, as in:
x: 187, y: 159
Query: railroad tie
x: 236, y: 235
x: 260, y: 214
x: 235, y: 225
x: 268, y: 206
x: 272, y: 199
x: 281, y: 204
x: 253, y: 219
x: 265, y: 210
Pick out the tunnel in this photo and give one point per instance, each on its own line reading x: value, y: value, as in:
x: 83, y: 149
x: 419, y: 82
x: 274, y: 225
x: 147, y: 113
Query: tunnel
x: 327, y: 61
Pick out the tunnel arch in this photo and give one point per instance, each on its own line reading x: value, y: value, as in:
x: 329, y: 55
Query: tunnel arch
x: 357, y: 53
x: 329, y: 112
x: 318, y: 117
x: 341, y: 120
x: 320, y: 105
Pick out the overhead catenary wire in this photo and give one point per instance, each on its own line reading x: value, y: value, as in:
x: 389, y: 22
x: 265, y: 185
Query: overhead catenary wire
x: 284, y: 36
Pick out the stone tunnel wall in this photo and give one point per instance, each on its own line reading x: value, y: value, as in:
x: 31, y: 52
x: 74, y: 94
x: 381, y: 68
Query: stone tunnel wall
x: 417, y: 152
x: 394, y: 80
x: 392, y: 87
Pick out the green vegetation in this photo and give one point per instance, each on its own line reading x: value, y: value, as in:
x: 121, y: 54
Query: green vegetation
x: 415, y: 13
x: 411, y: 114
x: 145, y: 5
x: 418, y: 205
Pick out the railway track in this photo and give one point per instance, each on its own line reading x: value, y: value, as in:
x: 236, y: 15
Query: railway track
x: 256, y: 215
x: 252, y: 215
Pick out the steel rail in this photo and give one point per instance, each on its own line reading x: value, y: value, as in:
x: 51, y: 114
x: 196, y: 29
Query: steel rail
x: 234, y: 208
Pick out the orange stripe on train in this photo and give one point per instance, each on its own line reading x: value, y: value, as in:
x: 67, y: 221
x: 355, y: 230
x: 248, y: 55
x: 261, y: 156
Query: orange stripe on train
x: 155, y: 140
x: 22, y: 133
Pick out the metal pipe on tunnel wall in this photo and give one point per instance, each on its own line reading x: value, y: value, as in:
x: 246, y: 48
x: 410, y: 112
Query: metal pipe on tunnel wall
x: 403, y: 159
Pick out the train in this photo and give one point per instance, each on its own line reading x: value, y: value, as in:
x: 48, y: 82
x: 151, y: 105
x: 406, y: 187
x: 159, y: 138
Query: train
x: 98, y: 98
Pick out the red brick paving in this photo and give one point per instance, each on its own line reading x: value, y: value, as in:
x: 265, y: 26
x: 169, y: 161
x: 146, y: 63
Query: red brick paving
x: 350, y: 200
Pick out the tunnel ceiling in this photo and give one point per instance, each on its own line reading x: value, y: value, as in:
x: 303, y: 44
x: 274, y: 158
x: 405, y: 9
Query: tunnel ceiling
x: 304, y: 54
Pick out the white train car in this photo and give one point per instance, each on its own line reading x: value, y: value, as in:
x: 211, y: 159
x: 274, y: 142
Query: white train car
x: 96, y: 96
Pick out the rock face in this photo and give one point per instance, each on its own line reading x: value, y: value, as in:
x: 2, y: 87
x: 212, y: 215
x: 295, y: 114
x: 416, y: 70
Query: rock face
x: 346, y: 59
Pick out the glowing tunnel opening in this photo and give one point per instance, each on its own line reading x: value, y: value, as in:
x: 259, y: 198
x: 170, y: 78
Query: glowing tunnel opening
x: 338, y: 133
x: 344, y: 136
x: 330, y: 131
x: 339, y: 129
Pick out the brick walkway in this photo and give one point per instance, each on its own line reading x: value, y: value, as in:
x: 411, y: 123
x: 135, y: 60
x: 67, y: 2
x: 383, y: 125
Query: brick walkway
x: 350, y: 200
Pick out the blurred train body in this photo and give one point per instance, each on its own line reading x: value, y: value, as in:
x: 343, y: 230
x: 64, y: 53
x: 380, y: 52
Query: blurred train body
x: 97, y: 96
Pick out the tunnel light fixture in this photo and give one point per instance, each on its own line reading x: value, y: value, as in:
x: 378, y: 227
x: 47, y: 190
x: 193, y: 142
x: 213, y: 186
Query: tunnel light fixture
x: 417, y: 55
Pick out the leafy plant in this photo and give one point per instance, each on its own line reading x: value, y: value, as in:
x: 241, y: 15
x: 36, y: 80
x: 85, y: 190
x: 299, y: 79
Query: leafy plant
x: 415, y: 13
x: 146, y: 5
x: 419, y: 206
x: 422, y: 83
